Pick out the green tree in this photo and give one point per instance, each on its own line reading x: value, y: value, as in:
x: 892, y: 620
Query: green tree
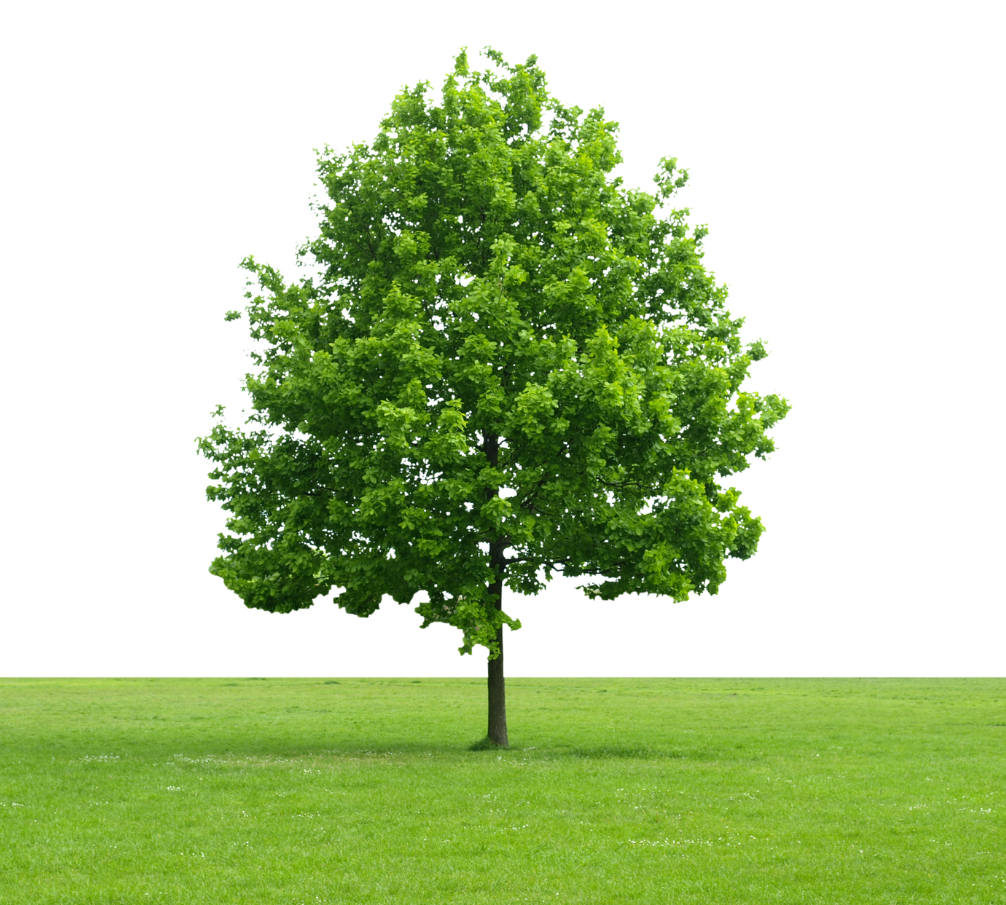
x: 505, y: 366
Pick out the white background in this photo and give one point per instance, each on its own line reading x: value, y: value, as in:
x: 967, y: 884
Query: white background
x: 848, y: 159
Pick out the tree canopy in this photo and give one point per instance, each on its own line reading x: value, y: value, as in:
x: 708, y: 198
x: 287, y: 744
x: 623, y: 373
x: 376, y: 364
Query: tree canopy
x: 504, y: 365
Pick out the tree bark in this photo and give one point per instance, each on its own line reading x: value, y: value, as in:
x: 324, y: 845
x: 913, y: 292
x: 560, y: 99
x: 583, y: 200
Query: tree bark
x: 497, y: 558
x: 497, y: 688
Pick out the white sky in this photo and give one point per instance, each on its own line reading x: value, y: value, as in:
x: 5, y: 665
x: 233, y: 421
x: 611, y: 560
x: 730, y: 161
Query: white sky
x: 848, y: 159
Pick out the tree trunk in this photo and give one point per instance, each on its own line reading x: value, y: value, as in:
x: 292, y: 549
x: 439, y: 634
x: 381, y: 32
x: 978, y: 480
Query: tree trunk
x: 497, y: 689
x: 497, y: 558
x: 497, y: 699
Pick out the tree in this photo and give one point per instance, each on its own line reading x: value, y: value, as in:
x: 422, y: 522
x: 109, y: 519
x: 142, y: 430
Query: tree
x: 505, y: 366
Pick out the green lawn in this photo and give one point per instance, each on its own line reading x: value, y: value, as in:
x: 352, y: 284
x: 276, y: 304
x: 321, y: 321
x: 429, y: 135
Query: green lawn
x: 297, y: 791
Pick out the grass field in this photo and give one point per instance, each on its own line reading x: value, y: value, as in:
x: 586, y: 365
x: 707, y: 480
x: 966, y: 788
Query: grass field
x: 619, y: 790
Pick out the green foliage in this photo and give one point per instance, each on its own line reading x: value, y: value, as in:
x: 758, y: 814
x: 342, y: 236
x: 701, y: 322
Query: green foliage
x: 507, y: 366
x: 641, y: 791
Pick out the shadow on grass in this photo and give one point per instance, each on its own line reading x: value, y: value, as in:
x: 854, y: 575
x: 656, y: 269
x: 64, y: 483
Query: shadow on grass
x: 637, y: 752
x: 604, y: 752
x: 486, y: 744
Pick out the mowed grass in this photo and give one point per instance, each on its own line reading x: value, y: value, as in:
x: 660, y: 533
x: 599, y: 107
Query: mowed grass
x: 619, y: 790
